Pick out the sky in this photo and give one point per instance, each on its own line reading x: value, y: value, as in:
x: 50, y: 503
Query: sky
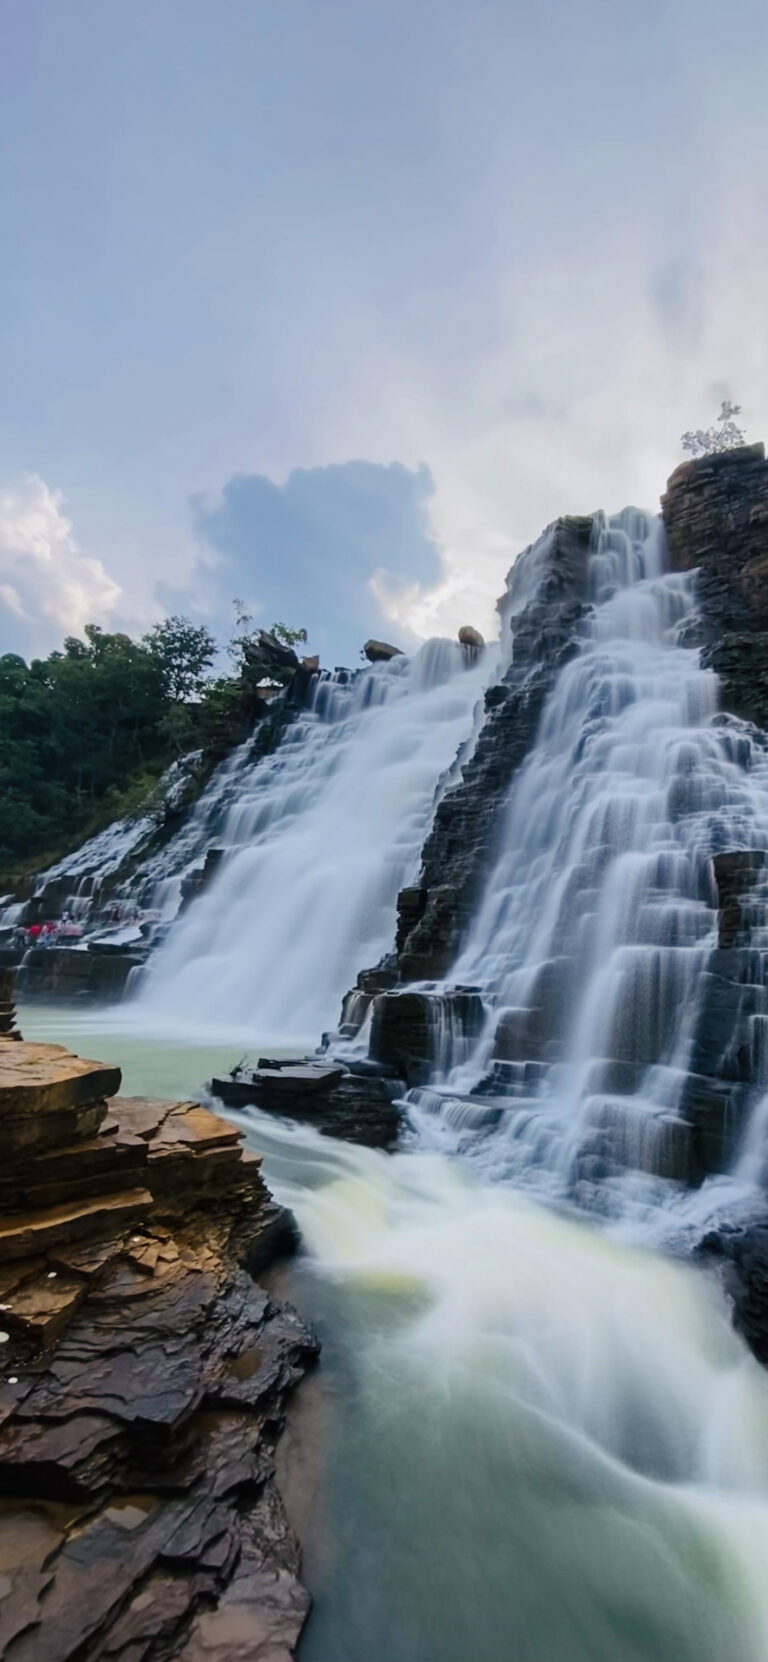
x: 331, y: 305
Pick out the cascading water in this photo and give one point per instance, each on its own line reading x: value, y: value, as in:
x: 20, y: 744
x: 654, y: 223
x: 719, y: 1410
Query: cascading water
x: 538, y: 1441
x: 591, y: 943
x: 319, y: 837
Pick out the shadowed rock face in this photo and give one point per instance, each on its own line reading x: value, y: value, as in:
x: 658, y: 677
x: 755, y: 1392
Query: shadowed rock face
x: 356, y: 1102
x: 143, y: 1378
x: 715, y: 513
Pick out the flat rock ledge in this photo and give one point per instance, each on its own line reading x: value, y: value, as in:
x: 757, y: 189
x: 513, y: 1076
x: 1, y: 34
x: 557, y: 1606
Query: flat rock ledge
x: 143, y: 1378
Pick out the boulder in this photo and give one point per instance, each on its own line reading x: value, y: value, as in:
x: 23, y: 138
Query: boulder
x: 311, y: 666
x: 380, y: 652
x: 355, y: 1105
x: 265, y: 655
x: 471, y: 637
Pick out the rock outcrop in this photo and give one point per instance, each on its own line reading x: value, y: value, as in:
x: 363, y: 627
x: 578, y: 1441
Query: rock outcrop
x: 354, y: 1101
x: 380, y: 652
x: 471, y: 637
x: 715, y: 514
x: 741, y: 1254
x: 143, y: 1379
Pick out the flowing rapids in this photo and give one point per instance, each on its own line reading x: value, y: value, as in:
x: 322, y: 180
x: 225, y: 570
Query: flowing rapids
x: 320, y: 838
x: 536, y: 1440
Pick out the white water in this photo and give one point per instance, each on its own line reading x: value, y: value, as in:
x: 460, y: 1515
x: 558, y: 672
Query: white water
x: 601, y: 904
x: 321, y: 836
x: 551, y: 1445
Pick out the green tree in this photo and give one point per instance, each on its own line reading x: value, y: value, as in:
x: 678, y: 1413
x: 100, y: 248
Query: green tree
x: 289, y: 637
x: 184, y: 652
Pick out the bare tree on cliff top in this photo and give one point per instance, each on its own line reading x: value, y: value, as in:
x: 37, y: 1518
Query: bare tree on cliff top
x: 712, y: 441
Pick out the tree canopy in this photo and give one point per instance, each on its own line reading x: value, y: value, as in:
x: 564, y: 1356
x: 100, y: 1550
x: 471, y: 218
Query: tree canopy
x: 84, y: 731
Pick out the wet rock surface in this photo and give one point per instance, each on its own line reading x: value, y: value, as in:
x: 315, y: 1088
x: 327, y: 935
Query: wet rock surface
x: 741, y: 1255
x: 354, y: 1103
x: 416, y: 1032
x: 143, y: 1378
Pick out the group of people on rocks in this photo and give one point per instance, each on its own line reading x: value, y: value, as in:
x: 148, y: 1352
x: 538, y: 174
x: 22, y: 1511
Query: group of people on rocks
x: 51, y: 932
x: 69, y: 930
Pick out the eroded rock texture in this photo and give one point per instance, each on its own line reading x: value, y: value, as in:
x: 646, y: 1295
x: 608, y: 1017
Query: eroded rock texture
x: 143, y: 1377
x: 715, y: 514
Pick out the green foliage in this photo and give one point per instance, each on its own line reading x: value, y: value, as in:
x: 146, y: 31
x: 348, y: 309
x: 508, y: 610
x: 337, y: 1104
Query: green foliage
x: 244, y: 645
x: 288, y: 636
x: 184, y: 653
x: 85, y: 732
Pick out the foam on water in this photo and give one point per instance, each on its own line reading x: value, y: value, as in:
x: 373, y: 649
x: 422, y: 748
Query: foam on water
x: 581, y: 1437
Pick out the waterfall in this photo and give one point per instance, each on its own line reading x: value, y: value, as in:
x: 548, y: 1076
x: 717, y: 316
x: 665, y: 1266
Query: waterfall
x: 318, y: 839
x: 592, y: 942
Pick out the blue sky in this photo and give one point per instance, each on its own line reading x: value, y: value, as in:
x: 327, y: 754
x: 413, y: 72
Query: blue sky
x: 331, y: 305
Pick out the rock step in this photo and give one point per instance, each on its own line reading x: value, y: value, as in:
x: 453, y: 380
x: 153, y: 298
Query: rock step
x: 42, y: 1079
x: 30, y: 1233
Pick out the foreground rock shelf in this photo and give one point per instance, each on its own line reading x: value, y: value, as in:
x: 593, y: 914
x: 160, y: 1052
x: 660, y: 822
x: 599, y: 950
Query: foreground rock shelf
x: 143, y: 1378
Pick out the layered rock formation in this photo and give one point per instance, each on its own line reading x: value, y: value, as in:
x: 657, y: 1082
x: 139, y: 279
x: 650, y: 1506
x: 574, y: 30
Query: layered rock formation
x: 353, y: 1102
x: 715, y: 513
x: 144, y: 1377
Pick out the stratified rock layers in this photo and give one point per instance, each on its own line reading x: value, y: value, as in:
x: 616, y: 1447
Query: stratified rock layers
x: 144, y: 1376
x: 715, y: 513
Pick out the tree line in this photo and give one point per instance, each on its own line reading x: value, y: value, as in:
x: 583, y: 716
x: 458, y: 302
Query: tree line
x: 87, y: 731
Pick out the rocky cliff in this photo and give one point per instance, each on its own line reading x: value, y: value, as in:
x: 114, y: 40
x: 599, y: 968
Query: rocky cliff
x: 715, y: 513
x: 144, y: 1378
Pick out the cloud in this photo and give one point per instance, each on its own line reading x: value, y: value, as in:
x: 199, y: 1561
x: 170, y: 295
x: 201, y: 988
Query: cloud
x: 572, y: 400
x: 48, y: 588
x: 329, y: 549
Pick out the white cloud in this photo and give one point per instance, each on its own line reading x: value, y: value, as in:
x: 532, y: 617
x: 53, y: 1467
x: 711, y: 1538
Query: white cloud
x: 593, y: 369
x: 48, y: 588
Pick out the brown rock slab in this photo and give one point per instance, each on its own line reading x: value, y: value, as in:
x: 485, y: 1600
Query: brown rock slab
x: 34, y: 1232
x: 143, y: 1386
x: 42, y: 1307
x: 41, y: 1079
